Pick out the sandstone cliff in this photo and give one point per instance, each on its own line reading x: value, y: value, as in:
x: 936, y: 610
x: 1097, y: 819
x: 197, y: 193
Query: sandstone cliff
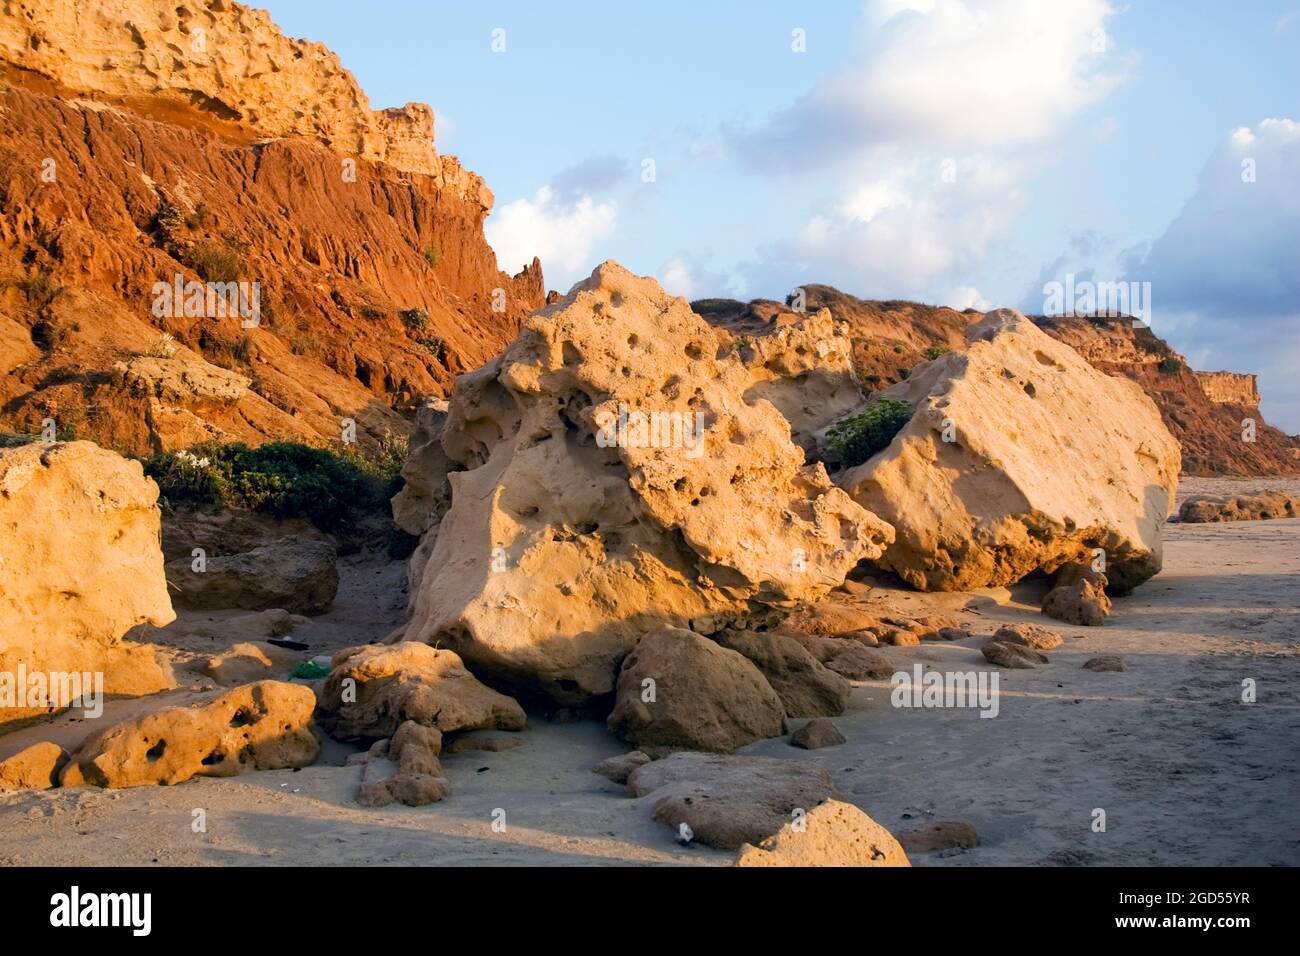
x: 246, y: 157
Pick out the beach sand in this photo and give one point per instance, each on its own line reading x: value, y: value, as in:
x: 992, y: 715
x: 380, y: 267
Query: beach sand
x: 1186, y: 773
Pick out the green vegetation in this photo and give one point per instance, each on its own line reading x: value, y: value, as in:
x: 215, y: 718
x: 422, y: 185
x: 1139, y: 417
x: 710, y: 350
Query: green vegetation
x: 215, y: 261
x: 898, y: 349
x: 432, y: 255
x: 706, y: 307
x: 332, y: 488
x: 934, y: 351
x: 858, y: 437
x: 1170, y: 364
x: 416, y: 321
x: 41, y: 289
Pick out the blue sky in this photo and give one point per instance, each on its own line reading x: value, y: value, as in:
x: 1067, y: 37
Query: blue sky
x: 952, y: 151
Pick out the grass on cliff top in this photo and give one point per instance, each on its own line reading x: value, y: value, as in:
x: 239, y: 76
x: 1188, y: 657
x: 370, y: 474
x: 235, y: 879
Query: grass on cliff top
x: 329, y: 487
x: 858, y: 437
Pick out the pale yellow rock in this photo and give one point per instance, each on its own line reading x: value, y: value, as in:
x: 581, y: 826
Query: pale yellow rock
x: 426, y: 493
x: 33, y: 768
x: 230, y: 61
x: 1050, y: 459
x: 262, y: 726
x: 373, y: 690
x: 831, y: 834
x: 806, y: 370
x: 80, y: 565
x: 183, y: 379
x: 558, y: 554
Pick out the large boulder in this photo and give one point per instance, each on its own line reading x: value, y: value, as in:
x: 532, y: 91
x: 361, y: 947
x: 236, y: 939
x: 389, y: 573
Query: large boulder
x: 728, y: 801
x: 426, y: 493
x: 295, y: 573
x: 609, y: 476
x: 832, y: 834
x: 680, y: 691
x: 806, y: 688
x: 373, y: 690
x: 805, y: 369
x: 80, y: 565
x: 1048, y: 459
x: 262, y: 726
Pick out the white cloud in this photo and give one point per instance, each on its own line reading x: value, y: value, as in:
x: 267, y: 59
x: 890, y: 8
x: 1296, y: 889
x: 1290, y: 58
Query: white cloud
x: 974, y: 73
x: 966, y: 297
x: 1224, y: 277
x: 929, y: 137
x: 685, y: 275
x: 560, y: 232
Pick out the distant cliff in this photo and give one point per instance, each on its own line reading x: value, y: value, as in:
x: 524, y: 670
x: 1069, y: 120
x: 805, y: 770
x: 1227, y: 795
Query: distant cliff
x: 149, y: 144
x: 1204, y: 410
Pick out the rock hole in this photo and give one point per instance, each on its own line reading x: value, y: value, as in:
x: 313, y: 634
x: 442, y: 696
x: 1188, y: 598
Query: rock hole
x: 156, y: 751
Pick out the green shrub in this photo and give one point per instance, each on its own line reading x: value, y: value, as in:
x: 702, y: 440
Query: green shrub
x: 1170, y: 364
x: 215, y: 261
x: 416, y: 321
x: 934, y: 351
x: 432, y: 255
x: 41, y: 289
x: 331, y: 488
x: 858, y: 437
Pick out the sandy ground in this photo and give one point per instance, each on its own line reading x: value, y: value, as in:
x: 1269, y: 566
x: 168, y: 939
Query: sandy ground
x: 1186, y: 772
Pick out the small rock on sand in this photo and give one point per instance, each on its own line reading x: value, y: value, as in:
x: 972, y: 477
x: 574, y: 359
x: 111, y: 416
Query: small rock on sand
x: 620, y: 767
x: 1015, y: 656
x: 1105, y: 662
x: 817, y: 733
x: 1029, y: 635
x: 940, y: 835
x: 832, y: 834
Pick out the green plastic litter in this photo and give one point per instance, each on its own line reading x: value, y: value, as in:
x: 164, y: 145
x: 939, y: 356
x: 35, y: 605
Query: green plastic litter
x: 310, y: 670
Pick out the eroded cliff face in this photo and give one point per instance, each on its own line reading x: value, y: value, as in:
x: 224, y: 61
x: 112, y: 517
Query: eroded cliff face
x: 226, y: 60
x: 251, y: 159
x: 1214, y: 415
x: 1229, y: 388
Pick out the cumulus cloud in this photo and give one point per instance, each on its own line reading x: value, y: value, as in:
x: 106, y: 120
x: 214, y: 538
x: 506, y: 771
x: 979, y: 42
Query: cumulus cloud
x: 592, y: 176
x: 901, y: 228
x: 560, y: 231
x: 1011, y: 70
x: 927, y: 166
x: 686, y: 275
x: 1224, y: 276
x: 966, y: 297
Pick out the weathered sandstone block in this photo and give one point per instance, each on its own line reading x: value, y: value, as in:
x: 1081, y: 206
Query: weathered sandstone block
x: 262, y: 726
x: 80, y: 565
x: 1048, y: 459
x: 613, y: 478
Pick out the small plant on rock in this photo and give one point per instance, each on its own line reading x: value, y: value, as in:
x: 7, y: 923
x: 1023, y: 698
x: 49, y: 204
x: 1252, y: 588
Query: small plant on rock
x: 858, y: 437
